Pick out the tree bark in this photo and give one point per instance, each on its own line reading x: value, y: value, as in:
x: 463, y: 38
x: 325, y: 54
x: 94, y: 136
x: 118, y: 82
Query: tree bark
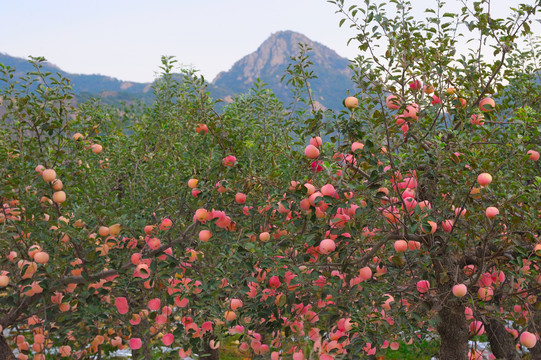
x: 5, y: 350
x: 502, y: 343
x: 535, y: 352
x: 453, y: 331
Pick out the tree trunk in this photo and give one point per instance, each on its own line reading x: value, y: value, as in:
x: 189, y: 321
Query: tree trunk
x: 502, y: 343
x: 535, y: 352
x: 5, y: 350
x: 453, y: 331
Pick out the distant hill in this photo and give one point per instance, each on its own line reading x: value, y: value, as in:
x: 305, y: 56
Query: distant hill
x: 110, y: 89
x: 268, y: 63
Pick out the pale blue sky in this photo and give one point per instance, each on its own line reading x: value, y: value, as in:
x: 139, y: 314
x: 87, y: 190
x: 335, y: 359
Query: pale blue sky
x: 126, y: 38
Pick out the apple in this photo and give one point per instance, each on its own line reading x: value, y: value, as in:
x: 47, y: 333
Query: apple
x: 201, y: 129
x: 41, y: 257
x: 400, y: 245
x: 528, y: 339
x: 168, y: 339
x: 477, y: 119
x: 487, y: 104
x: 365, y: 273
x: 415, y: 85
x: 351, y: 102
x: 492, y: 211
x: 316, y: 141
x: 135, y: 343
x: 201, y: 214
x: 484, y: 179
x: 192, y: 183
x: 460, y: 290
x: 59, y: 197
x: 240, y: 198
x: 428, y: 89
x: 205, y: 235
x: 48, y: 175
x: 533, y: 155
x: 423, y: 286
x: 96, y: 148
x: 311, y: 152
x: 485, y: 293
x: 327, y: 246
x: 393, y: 102
x: 357, y: 146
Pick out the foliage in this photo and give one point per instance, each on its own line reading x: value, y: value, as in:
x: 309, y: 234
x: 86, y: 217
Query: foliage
x: 188, y: 224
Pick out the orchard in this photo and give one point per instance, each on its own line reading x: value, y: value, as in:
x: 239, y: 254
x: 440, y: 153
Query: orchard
x: 408, y: 221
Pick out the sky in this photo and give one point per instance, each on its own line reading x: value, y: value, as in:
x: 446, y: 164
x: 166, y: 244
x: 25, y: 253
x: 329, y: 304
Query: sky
x: 126, y: 38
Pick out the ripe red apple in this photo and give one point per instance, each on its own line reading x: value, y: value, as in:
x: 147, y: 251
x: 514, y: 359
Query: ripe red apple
x: 240, y: 198
x: 57, y: 185
x: 365, y: 273
x: 59, y: 197
x: 534, y: 155
x: 205, y: 235
x: 357, y: 146
x: 41, y: 257
x: 528, y: 339
x: 477, y: 328
x: 96, y: 148
x: 428, y: 89
x: 316, y: 141
x: 48, y: 175
x: 154, y: 304
x: 201, y: 215
x: 460, y: 290
x: 411, y: 111
x: 393, y: 102
x: 311, y: 152
x: 103, y: 231
x: 235, y: 304
x: 477, y: 119
x: 274, y: 282
x: 328, y: 190
x: 121, y: 304
x: 135, y: 343
x: 492, y: 211
x: 487, y: 104
x: 485, y: 293
x: 192, y: 183
x: 423, y: 286
x: 264, y: 236
x: 400, y: 245
x: 201, y: 129
x: 484, y: 179
x: 415, y: 85
x: 327, y: 246
x: 168, y: 339
x: 351, y: 102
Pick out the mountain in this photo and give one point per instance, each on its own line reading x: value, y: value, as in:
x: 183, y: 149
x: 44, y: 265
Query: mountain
x: 111, y: 90
x: 268, y: 63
